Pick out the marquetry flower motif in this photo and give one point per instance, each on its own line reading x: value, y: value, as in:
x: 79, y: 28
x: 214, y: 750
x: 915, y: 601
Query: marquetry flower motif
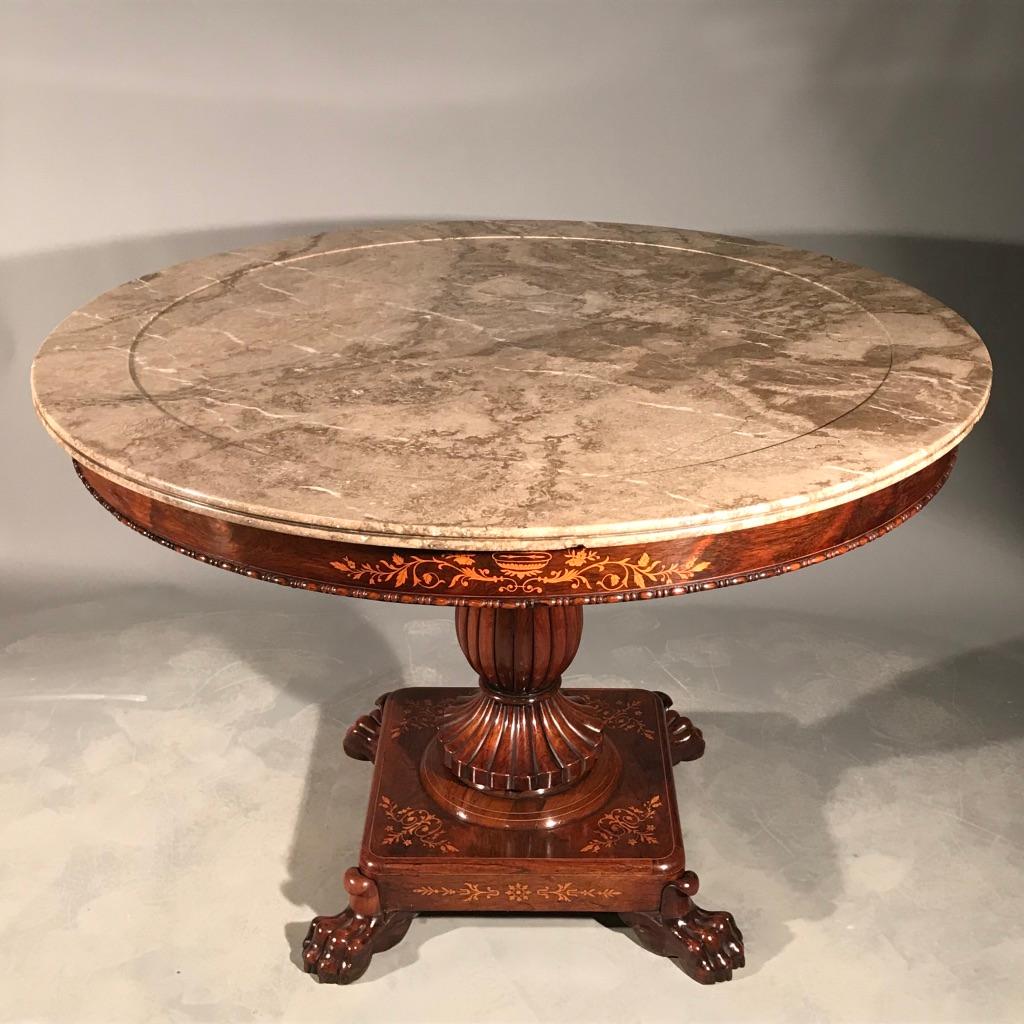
x: 524, y: 572
x: 635, y: 826
x: 625, y: 714
x: 517, y: 892
x: 409, y: 826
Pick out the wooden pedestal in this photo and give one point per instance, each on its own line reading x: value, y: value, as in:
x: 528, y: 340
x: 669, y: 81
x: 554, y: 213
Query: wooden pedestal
x: 433, y: 843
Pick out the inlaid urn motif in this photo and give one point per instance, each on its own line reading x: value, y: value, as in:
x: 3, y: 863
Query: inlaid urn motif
x: 523, y: 563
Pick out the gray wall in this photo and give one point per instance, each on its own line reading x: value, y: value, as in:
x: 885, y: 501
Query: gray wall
x: 135, y: 135
x: 140, y: 121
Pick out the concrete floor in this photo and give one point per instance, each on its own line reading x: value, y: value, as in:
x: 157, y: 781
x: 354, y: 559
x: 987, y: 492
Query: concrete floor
x: 175, y: 805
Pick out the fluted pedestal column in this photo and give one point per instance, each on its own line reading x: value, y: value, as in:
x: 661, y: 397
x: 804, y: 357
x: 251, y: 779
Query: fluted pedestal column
x: 519, y: 734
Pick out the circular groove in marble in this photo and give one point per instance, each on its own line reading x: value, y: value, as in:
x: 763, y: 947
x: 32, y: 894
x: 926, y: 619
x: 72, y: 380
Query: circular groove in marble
x: 507, y: 385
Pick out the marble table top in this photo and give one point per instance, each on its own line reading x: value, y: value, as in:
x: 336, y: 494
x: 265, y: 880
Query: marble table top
x: 502, y: 385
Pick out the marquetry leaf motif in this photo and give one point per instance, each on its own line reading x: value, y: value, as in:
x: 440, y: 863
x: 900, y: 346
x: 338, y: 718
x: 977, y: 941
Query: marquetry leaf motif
x: 425, y: 713
x: 469, y: 891
x: 527, y: 572
x: 566, y: 892
x: 409, y: 826
x: 634, y: 826
x: 625, y: 714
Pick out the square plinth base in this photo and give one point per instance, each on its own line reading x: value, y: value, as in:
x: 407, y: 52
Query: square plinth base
x: 617, y: 857
x: 610, y: 843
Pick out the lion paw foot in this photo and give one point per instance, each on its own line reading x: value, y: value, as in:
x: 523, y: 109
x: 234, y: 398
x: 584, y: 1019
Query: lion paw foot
x: 706, y: 944
x: 339, y: 948
x: 710, y: 944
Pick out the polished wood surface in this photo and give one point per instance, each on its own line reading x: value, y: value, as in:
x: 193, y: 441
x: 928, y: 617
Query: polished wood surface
x: 540, y: 809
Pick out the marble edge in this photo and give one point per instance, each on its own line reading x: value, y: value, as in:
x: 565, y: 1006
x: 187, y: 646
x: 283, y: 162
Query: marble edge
x: 449, y: 538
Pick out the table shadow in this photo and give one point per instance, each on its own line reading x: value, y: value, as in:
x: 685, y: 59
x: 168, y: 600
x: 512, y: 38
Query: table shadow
x: 759, y: 799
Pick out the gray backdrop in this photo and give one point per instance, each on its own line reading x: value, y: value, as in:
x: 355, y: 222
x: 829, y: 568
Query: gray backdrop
x: 859, y: 808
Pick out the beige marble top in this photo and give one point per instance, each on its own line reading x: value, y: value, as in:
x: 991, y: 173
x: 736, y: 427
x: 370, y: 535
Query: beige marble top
x: 508, y: 385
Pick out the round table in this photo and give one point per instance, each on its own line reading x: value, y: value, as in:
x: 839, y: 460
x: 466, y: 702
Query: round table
x: 517, y: 419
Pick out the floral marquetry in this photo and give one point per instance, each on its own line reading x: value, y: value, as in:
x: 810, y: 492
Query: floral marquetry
x: 634, y: 826
x: 409, y: 826
x: 517, y: 892
x: 422, y: 714
x: 624, y: 713
x: 531, y: 573
x: 569, y: 576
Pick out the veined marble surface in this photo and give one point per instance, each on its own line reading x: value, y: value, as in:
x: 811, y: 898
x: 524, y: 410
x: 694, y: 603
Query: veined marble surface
x: 509, y: 385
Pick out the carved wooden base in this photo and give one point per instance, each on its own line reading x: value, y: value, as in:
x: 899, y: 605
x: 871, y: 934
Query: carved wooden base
x: 424, y: 848
x: 546, y: 810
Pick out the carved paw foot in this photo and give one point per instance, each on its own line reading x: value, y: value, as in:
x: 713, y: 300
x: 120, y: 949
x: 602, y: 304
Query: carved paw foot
x: 706, y: 944
x: 710, y: 945
x: 361, y: 738
x: 339, y: 948
x: 685, y: 740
